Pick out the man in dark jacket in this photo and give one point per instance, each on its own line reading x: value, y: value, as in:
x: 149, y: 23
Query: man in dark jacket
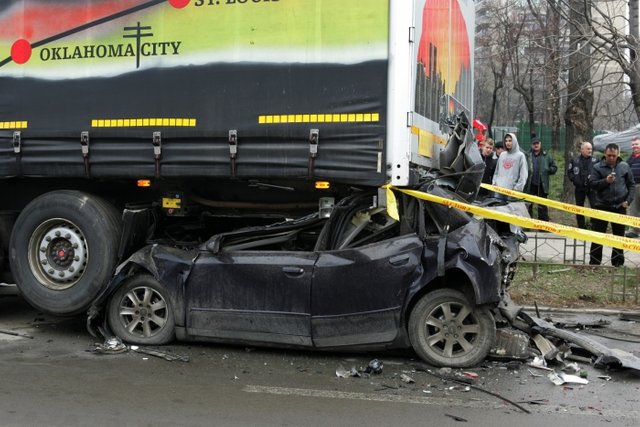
x: 579, y: 171
x: 490, y: 162
x: 541, y: 166
x: 634, y: 164
x: 614, y: 188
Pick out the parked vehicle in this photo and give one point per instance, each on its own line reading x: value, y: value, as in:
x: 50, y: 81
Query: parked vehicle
x: 355, y: 280
x: 124, y: 122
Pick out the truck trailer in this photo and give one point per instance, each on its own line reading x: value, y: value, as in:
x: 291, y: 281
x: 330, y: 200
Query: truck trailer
x: 129, y: 121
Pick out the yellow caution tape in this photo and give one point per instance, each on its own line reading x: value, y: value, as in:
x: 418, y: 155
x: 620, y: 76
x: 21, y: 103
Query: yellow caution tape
x: 562, y: 230
x: 392, y: 205
x: 579, y: 210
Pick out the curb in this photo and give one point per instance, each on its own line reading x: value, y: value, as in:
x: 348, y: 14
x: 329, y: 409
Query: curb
x: 602, y: 311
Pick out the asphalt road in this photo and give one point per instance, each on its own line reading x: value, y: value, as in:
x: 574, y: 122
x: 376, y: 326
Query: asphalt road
x: 50, y: 375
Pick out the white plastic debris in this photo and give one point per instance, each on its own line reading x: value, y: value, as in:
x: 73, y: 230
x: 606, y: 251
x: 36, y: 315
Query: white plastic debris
x: 540, y: 363
x: 562, y: 378
x: 573, y: 379
x: 341, y: 372
x: 571, y: 367
x: 407, y: 379
x: 555, y: 378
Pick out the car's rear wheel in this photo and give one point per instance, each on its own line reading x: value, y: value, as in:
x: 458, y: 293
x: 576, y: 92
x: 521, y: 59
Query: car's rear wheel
x: 140, y: 312
x: 446, y: 330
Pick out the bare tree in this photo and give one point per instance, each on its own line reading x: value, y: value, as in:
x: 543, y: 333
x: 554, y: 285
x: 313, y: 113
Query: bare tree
x: 492, y: 60
x: 612, y: 35
x: 580, y: 94
x: 548, y: 21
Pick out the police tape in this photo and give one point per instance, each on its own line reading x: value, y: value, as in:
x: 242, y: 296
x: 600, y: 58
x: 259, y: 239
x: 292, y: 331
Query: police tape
x: 562, y: 230
x: 578, y: 210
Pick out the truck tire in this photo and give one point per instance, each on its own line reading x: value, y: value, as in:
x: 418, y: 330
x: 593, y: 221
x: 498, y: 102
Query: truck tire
x: 140, y: 312
x: 63, y: 249
x: 446, y: 330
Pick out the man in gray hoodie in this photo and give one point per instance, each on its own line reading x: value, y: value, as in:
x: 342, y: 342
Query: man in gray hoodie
x: 511, y: 170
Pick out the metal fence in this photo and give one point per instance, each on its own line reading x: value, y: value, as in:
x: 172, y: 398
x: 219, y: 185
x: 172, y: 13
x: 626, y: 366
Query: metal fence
x: 565, y: 254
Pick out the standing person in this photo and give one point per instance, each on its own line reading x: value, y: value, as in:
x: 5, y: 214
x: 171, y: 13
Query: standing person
x: 498, y: 148
x: 614, y: 188
x: 579, y: 171
x: 634, y: 164
x: 511, y: 170
x: 541, y: 166
x: 490, y: 162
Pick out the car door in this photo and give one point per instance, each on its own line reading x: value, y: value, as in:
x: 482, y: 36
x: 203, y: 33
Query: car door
x: 251, y: 296
x: 357, y: 294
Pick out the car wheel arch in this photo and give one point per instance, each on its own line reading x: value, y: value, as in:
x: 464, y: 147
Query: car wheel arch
x: 454, y: 278
x: 130, y: 269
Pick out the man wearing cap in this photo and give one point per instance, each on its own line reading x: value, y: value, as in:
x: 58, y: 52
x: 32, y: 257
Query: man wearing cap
x: 579, y: 171
x: 541, y: 166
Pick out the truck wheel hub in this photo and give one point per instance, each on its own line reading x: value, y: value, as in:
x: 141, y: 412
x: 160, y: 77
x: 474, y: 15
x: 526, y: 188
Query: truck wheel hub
x: 61, y: 253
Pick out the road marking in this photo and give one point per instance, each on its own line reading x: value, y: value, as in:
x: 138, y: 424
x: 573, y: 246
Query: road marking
x: 376, y: 397
x: 550, y: 408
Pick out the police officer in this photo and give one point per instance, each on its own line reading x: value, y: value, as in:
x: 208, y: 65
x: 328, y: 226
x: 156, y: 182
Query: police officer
x: 579, y: 171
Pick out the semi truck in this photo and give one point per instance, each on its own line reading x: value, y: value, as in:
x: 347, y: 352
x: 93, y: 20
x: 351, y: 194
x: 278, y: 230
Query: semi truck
x: 129, y: 121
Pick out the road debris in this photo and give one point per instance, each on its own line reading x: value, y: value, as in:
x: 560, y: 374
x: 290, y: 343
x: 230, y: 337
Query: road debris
x: 111, y: 345
x: 600, y: 323
x: 114, y: 345
x: 546, y: 347
x: 375, y: 367
x: 533, y: 374
x: 605, y: 358
x: 341, y: 372
x: 407, y: 379
x: 539, y: 363
x: 631, y: 317
x: 571, y: 367
x: 510, y: 344
x: 456, y: 418
x: 573, y: 379
x: 171, y: 357
x: 555, y: 378
x: 15, y: 334
x: 465, y: 381
x: 471, y: 375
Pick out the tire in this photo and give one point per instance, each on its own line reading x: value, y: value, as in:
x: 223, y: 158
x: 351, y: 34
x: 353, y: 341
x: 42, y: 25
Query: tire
x: 140, y: 312
x: 431, y: 335
x: 63, y: 249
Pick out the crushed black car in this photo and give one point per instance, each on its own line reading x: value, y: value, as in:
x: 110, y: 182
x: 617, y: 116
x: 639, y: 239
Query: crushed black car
x: 356, y: 280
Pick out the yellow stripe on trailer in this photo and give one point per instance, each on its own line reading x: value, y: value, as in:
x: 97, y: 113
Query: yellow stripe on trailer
x: 144, y: 122
x: 562, y: 230
x: 18, y: 124
x: 270, y: 119
x: 579, y: 210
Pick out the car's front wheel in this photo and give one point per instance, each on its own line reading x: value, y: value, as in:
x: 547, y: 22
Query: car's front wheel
x: 140, y: 312
x: 446, y: 330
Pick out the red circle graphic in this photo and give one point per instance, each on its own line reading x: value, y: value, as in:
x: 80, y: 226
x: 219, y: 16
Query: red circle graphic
x: 21, y: 51
x: 179, y: 4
